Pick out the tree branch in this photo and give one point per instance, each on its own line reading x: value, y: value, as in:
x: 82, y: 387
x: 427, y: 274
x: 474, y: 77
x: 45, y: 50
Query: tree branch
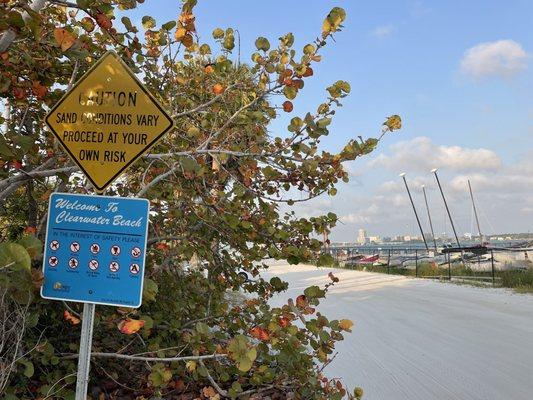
x: 161, y: 238
x: 148, y: 359
x: 10, y: 35
x: 220, y: 391
x: 205, y: 105
x: 230, y: 120
x: 11, y: 184
x: 157, y: 180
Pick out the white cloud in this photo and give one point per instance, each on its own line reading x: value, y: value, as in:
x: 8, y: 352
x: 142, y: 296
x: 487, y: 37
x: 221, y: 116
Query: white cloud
x: 421, y: 154
x: 383, y: 31
x: 364, y: 216
x: 502, y: 194
x: 505, y: 183
x: 503, y: 58
x: 502, y: 190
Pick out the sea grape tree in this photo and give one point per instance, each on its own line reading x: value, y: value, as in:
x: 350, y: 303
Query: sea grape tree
x: 215, y: 184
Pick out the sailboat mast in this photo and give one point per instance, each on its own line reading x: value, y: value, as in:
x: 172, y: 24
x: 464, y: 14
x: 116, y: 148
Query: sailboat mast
x: 475, y: 212
x: 429, y: 217
x: 414, y: 209
x: 446, y: 206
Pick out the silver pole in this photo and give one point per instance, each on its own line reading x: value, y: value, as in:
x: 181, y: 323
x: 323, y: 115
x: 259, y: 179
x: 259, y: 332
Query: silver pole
x: 84, y: 360
x: 446, y: 206
x: 475, y: 213
x: 429, y: 217
x: 414, y: 209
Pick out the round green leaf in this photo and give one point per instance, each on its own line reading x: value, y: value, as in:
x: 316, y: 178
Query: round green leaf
x: 290, y: 92
x: 15, y: 255
x: 148, y: 22
x: 262, y: 44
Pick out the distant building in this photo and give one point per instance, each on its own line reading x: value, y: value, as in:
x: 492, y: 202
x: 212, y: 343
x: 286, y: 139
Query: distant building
x: 361, y: 237
x: 374, y: 239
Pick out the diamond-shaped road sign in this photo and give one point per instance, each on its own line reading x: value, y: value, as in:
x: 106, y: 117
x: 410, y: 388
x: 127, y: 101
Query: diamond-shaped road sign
x: 107, y: 121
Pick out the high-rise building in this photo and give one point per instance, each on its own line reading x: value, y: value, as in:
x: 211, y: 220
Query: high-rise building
x: 361, y: 237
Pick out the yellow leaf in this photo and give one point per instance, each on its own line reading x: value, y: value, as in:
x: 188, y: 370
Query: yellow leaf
x: 394, y: 122
x: 130, y: 326
x: 190, y: 365
x: 215, y: 165
x: 346, y: 325
x: 333, y: 21
x: 64, y: 38
x: 180, y: 34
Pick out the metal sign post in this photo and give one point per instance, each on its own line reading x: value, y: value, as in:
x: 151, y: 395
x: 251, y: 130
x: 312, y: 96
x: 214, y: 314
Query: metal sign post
x: 84, y: 360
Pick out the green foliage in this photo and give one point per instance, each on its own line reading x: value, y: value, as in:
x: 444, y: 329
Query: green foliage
x: 14, y: 256
x: 519, y: 279
x: 333, y: 21
x: 150, y: 290
x: 242, y: 352
x: 148, y: 22
x: 160, y: 375
x: 262, y: 44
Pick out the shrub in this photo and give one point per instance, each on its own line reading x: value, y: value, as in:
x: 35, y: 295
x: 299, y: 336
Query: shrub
x: 215, y: 183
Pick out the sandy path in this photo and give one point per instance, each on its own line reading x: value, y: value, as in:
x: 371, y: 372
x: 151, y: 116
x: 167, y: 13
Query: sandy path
x: 422, y: 340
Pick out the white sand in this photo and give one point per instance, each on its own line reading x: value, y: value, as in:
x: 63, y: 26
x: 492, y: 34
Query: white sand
x: 423, y: 340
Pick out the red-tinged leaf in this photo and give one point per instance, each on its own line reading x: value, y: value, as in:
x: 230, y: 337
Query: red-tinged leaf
x: 179, y: 385
x: 31, y: 230
x: 308, y: 72
x: 130, y: 326
x: 284, y: 322
x: 162, y: 246
x: 259, y: 333
x: 104, y: 21
x: 39, y: 90
x: 19, y: 93
x: 333, y: 277
x: 287, y: 106
x: 64, y: 38
x: 71, y: 318
x: 301, y: 301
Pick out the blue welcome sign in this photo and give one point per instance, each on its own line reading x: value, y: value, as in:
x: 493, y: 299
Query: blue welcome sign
x: 95, y: 249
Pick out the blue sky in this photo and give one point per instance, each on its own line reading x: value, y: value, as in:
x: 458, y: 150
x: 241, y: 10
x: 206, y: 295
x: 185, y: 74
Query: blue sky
x: 458, y: 72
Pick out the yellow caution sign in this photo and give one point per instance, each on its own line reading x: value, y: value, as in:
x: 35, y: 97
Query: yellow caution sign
x: 107, y: 121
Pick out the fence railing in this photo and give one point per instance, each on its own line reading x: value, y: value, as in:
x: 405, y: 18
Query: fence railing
x: 491, y: 267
